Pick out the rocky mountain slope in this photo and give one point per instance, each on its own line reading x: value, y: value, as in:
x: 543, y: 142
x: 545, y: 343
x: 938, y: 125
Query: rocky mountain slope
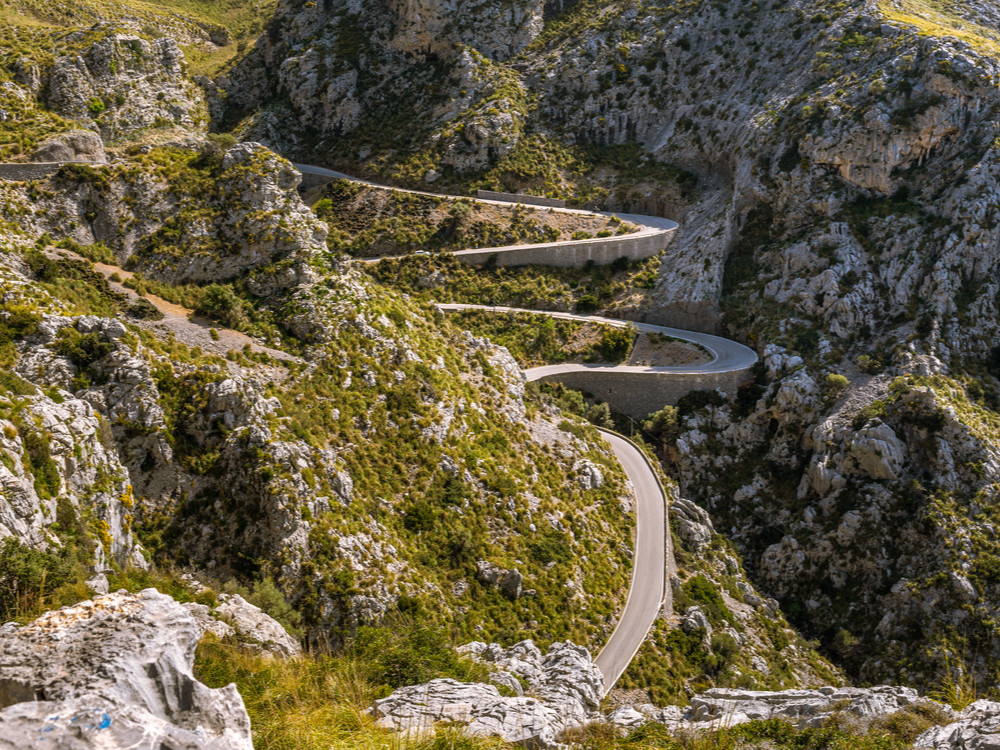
x: 842, y: 221
x: 832, y: 165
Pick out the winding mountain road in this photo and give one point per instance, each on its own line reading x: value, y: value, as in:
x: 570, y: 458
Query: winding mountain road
x: 653, y: 559
x: 727, y: 355
x: 651, y: 236
x: 653, y: 562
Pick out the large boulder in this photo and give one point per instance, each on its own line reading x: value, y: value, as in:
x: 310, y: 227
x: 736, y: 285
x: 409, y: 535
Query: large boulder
x: 76, y: 145
x: 567, y: 688
x: 113, y: 673
x: 255, y: 627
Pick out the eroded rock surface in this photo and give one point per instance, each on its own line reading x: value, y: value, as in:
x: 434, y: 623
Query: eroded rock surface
x: 567, y: 688
x: 977, y: 727
x: 114, y: 672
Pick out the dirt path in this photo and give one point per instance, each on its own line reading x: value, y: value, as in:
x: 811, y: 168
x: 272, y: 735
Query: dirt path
x: 187, y: 327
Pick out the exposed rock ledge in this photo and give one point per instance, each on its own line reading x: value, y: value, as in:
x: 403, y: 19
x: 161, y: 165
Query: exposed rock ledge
x: 562, y: 690
x: 565, y: 684
x: 113, y: 673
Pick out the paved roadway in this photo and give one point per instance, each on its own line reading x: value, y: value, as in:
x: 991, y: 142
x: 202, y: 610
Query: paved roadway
x: 726, y: 355
x: 647, y: 225
x: 653, y: 555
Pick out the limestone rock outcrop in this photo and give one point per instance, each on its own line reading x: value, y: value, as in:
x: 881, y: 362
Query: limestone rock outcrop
x: 114, y: 672
x: 125, y: 83
x: 84, y: 146
x: 255, y: 627
x: 803, y: 708
x: 976, y: 727
x: 61, y: 446
x: 568, y: 687
x: 496, y: 30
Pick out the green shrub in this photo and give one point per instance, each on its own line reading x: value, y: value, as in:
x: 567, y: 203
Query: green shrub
x: 29, y: 576
x: 867, y: 413
x: 698, y: 590
x: 43, y: 468
x: 834, y: 384
x: 82, y: 349
x: 404, y: 654
x: 616, y: 343
x: 691, y: 402
x: 221, y: 302
x: 663, y: 424
x: 600, y: 415
x: 870, y: 364
x: 143, y: 309
x: 17, y: 322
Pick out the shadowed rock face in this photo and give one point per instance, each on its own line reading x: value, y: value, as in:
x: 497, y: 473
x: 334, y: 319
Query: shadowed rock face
x: 114, y: 672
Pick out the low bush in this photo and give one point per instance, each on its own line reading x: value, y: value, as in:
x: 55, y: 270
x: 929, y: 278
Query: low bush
x: 32, y: 580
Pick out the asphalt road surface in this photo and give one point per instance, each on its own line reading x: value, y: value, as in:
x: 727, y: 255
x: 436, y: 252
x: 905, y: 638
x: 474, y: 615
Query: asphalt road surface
x: 653, y: 555
x: 726, y: 355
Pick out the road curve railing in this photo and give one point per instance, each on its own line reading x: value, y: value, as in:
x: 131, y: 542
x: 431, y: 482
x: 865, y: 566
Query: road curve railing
x: 652, y: 234
x: 726, y: 355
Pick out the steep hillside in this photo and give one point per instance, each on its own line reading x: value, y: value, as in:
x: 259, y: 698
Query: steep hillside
x: 314, y: 428
x: 839, y: 215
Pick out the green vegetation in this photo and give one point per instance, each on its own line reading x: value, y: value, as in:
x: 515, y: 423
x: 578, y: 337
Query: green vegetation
x: 446, y: 279
x: 321, y: 702
x: 367, y: 222
x: 940, y: 19
x: 82, y: 349
x: 437, y: 523
x: 33, y: 25
x: 83, y: 290
x: 544, y: 166
x: 33, y: 581
x: 536, y: 339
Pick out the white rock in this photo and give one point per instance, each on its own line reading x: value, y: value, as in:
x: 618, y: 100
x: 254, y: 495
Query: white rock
x: 115, y: 672
x: 251, y: 623
x: 977, y: 728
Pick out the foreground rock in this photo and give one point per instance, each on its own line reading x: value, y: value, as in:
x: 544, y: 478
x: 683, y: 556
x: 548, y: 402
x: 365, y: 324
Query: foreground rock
x: 977, y: 728
x: 113, y: 673
x: 568, y: 686
x: 803, y: 708
x: 563, y: 689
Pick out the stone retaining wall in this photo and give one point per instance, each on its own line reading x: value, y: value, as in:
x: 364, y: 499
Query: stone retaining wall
x: 314, y: 180
x: 572, y: 253
x: 640, y: 394
x: 24, y: 172
x: 528, y: 200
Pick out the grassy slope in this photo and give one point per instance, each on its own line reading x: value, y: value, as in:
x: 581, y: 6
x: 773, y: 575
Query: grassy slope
x: 940, y: 19
x: 35, y: 27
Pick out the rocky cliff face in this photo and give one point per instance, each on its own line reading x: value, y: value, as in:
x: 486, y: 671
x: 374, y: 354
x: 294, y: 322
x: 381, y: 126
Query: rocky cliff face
x: 122, y: 84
